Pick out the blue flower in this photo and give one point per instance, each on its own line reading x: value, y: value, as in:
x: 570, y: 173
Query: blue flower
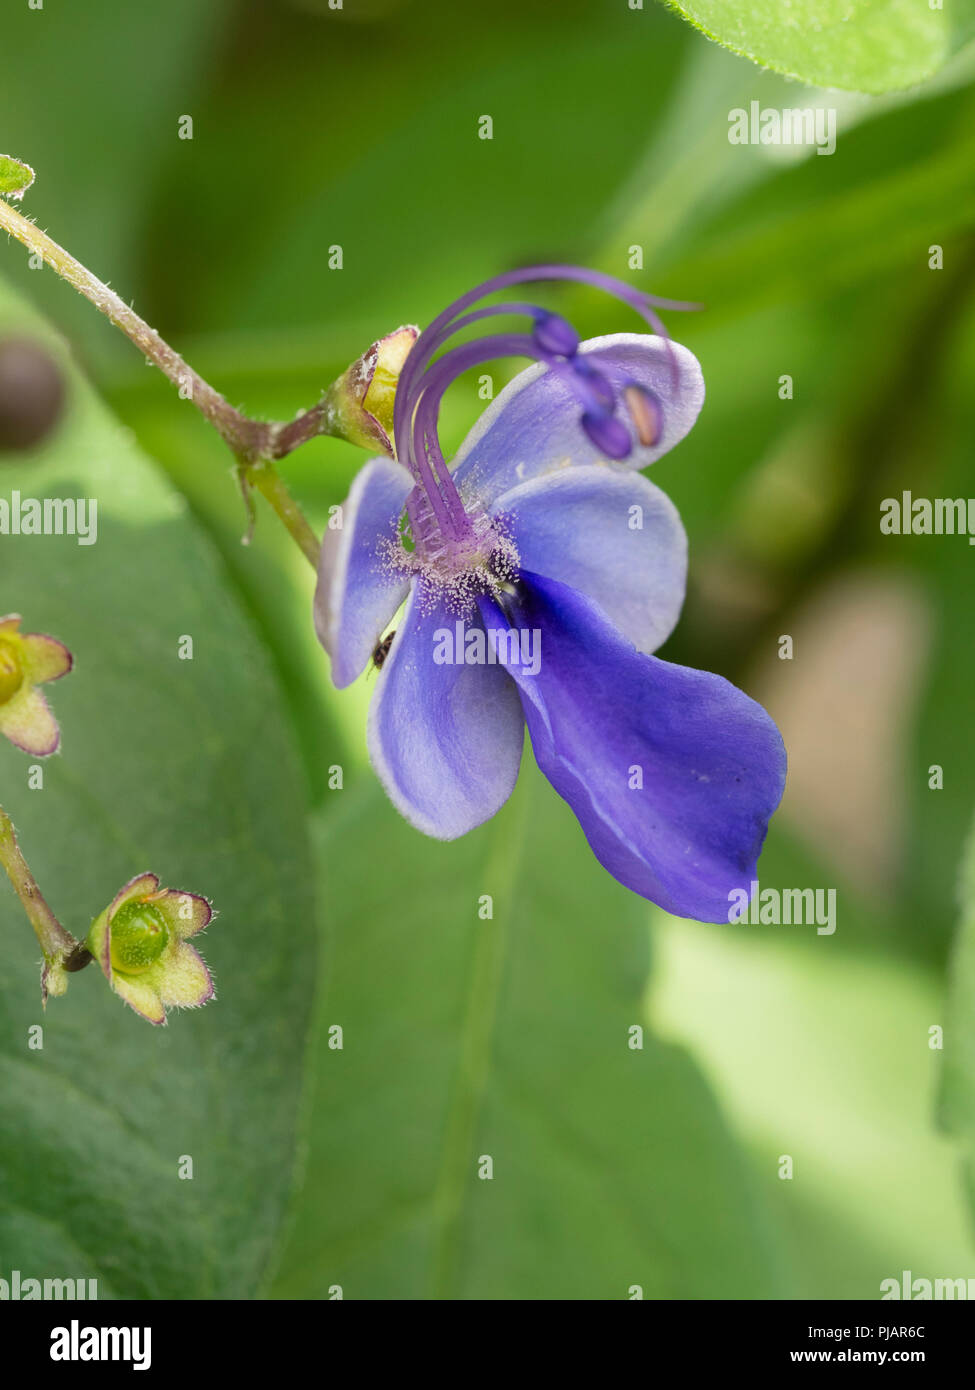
x: 538, y: 576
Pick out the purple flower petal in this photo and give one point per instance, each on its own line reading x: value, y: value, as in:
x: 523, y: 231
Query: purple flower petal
x: 534, y: 425
x: 612, y: 535
x: 357, y: 594
x: 672, y: 773
x: 445, y: 739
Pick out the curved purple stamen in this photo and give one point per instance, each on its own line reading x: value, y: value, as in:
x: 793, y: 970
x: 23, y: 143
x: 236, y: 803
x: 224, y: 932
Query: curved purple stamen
x: 553, y: 341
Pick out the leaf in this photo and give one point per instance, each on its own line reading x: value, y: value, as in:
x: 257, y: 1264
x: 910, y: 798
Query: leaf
x: 509, y: 1038
x: 186, y: 768
x: 15, y: 177
x: 97, y: 132
x: 861, y: 45
x: 818, y: 1047
x: 957, y: 1098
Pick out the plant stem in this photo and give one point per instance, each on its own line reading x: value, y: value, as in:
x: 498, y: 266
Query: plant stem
x: 266, y: 478
x: 254, y: 443
x: 56, y: 943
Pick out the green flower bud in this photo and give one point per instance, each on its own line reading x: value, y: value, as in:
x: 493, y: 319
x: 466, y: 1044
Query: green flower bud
x: 139, y: 937
x: 11, y: 671
x: 359, y: 404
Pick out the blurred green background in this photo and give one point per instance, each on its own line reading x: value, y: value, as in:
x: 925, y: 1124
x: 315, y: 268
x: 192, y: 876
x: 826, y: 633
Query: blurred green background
x: 320, y: 1168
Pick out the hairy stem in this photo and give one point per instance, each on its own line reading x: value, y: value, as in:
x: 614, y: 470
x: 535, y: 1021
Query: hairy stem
x: 255, y: 443
x: 56, y: 943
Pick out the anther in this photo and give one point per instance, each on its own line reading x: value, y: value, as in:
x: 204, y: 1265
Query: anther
x: 608, y: 434
x: 646, y: 413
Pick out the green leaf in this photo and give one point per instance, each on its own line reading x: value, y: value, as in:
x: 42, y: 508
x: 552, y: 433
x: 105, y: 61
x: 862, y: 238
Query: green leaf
x: 861, y: 45
x: 15, y: 177
x: 465, y: 1037
x: 187, y: 768
x: 957, y: 1099
x: 819, y: 1049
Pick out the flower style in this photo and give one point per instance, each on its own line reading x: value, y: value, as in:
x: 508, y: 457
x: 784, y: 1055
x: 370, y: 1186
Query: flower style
x: 140, y: 943
x: 28, y: 660
x: 538, y: 575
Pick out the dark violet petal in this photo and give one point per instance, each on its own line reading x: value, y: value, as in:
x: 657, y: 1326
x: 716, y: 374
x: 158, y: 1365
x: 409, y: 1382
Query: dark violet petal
x: 534, y: 425
x: 612, y: 535
x: 357, y: 594
x: 445, y: 740
x: 712, y: 761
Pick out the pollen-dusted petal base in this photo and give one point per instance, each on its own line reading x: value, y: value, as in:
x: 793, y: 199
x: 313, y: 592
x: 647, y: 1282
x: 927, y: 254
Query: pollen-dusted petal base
x: 357, y: 594
x: 532, y: 427
x: 27, y: 721
x: 612, y: 535
x: 445, y: 740
x: 672, y: 773
x: 46, y: 659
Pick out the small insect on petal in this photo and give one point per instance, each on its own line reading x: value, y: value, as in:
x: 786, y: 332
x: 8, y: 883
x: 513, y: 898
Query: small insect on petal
x: 382, y: 650
x: 646, y: 413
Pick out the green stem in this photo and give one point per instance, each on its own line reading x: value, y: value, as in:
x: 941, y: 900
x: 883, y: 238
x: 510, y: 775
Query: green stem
x: 254, y: 442
x: 266, y: 478
x: 56, y: 943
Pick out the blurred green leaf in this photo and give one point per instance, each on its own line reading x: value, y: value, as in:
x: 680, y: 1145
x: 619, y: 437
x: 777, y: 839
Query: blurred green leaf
x: 866, y: 46
x: 957, y: 1110
x: 93, y: 100
x: 506, y: 1037
x: 186, y: 768
x: 819, y: 1048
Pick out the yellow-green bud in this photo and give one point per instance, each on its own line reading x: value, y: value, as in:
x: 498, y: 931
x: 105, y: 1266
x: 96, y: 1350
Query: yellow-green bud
x: 11, y: 671
x: 359, y: 405
x: 139, y: 937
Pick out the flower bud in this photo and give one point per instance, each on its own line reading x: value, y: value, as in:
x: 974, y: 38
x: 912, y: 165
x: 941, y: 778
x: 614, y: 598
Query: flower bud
x: 359, y: 404
x: 31, y: 394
